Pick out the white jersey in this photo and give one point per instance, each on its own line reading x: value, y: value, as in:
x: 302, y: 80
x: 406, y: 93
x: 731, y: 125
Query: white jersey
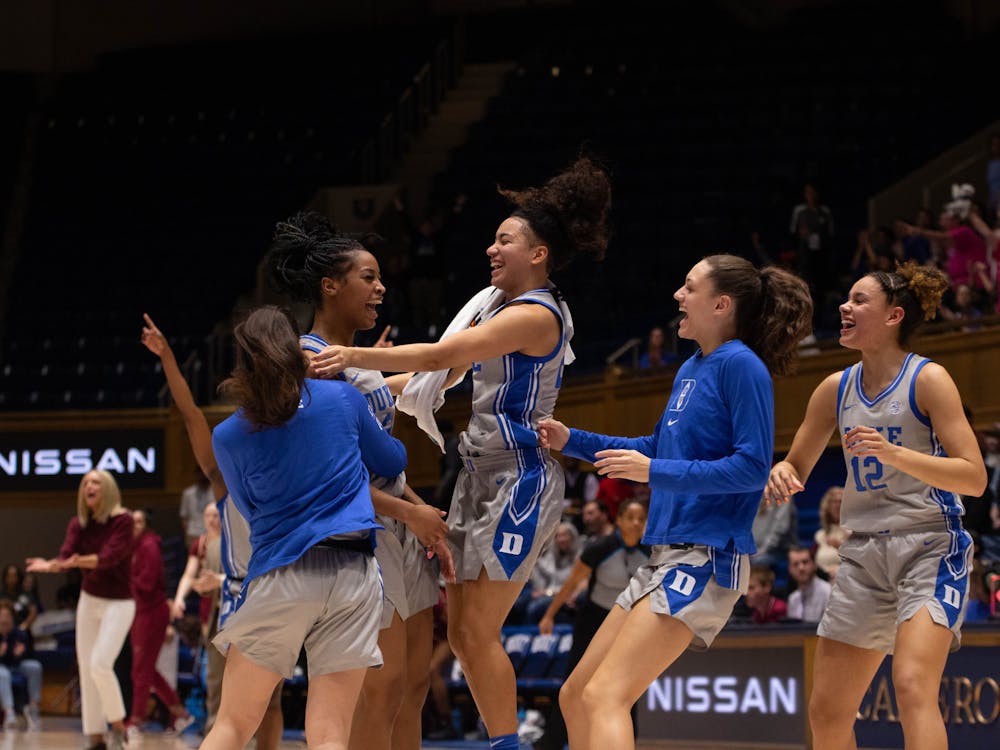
x: 880, y: 499
x: 372, y: 385
x: 236, y: 551
x: 511, y: 393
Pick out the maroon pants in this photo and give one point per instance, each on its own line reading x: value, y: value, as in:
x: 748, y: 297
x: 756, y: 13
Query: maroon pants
x: 149, y: 630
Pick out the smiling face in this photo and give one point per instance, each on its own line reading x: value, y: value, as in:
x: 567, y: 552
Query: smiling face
x: 866, y: 319
x: 355, y: 297
x: 516, y: 256
x: 698, y: 301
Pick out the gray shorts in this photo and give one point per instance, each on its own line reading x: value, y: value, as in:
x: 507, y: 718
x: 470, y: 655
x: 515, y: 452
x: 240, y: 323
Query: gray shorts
x: 683, y: 583
x: 883, y: 581
x: 409, y: 578
x: 420, y: 575
x: 505, y: 508
x: 329, y: 600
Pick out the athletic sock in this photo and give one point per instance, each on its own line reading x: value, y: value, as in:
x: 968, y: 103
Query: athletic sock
x: 504, y: 742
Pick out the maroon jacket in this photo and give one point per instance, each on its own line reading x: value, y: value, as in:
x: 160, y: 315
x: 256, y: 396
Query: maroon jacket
x: 148, y: 587
x: 112, y: 543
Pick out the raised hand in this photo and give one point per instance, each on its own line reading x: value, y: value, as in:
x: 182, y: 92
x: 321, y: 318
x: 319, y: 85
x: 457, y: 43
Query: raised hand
x: 383, y: 340
x: 152, y: 338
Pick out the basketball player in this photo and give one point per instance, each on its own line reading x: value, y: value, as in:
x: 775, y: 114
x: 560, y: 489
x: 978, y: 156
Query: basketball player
x: 235, y: 548
x: 508, y: 498
x: 706, y: 463
x: 313, y: 262
x: 902, y: 582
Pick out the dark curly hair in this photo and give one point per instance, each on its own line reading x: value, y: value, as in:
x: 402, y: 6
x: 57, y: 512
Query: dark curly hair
x: 569, y: 213
x: 917, y: 289
x: 773, y: 308
x: 307, y: 248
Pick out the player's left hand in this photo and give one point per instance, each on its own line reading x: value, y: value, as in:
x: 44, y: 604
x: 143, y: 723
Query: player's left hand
x: 867, y: 441
x: 153, y: 338
x: 333, y: 360
x: 623, y: 464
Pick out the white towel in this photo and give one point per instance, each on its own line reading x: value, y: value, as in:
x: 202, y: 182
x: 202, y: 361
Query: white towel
x: 424, y: 394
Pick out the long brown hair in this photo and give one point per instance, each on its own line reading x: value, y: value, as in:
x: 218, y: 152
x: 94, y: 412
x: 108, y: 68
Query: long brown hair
x: 270, y: 369
x: 773, y: 308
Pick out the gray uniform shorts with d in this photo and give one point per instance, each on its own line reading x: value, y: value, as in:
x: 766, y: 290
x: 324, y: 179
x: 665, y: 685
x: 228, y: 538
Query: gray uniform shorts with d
x: 329, y: 600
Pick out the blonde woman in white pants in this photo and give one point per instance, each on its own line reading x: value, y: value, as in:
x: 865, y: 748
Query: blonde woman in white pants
x: 99, y: 542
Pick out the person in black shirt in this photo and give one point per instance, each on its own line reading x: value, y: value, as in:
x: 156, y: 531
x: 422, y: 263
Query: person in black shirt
x: 608, y: 564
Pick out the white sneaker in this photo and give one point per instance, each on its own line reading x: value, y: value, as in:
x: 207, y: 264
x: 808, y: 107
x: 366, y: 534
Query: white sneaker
x: 33, y: 718
x: 133, y: 733
x: 10, y: 719
x: 180, y: 724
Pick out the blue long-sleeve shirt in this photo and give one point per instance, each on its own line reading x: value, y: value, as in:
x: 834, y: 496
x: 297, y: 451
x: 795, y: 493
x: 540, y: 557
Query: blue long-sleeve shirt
x: 306, y: 480
x: 711, y: 451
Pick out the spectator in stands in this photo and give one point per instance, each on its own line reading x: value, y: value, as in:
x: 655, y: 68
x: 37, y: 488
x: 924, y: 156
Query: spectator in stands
x: 775, y: 529
x: 962, y: 307
x: 16, y: 656
x: 194, y: 499
x: 872, y: 254
x: 830, y: 534
x: 607, y: 564
x: 916, y: 246
x: 808, y: 601
x: 551, y: 571
x: 194, y: 567
x: 99, y: 542
x: 656, y: 355
x: 596, y: 522
x: 966, y: 248
x: 149, y: 629
x: 764, y: 606
x: 977, y: 603
x: 25, y: 603
x: 613, y: 491
x: 811, y: 228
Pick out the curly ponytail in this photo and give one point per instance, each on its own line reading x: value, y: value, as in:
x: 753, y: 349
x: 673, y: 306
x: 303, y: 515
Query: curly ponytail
x: 915, y: 288
x: 569, y: 213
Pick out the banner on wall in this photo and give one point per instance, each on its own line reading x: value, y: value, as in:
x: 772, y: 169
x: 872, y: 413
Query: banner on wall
x: 45, y: 461
x: 969, y: 698
x: 728, y: 693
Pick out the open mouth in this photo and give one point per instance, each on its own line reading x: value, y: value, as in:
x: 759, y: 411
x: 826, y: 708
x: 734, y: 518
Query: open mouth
x: 846, y: 325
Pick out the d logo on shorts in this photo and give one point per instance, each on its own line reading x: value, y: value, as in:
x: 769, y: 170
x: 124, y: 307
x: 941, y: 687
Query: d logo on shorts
x: 512, y: 544
x: 683, y: 583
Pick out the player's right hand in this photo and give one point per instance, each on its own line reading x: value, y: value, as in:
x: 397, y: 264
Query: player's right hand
x: 426, y: 524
